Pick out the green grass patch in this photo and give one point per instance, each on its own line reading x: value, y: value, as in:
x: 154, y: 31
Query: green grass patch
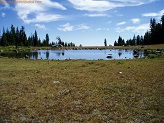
x: 152, y: 56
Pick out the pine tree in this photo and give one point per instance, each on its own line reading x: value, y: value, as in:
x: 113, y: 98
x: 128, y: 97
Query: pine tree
x: 105, y: 42
x: 4, y: 38
x: 162, y: 22
x: 13, y: 35
x: 65, y: 44
x: 138, y: 40
x: 142, y: 40
x: 8, y: 37
x: 17, y: 38
x: 152, y: 30
x: 120, y: 41
x: 147, y: 38
x: 22, y: 36
x: 35, y: 39
x: 115, y: 43
x: 47, y: 39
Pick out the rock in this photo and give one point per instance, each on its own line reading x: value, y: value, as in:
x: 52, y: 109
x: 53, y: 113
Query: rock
x: 120, y: 72
x: 55, y: 82
x: 65, y: 91
x: 136, y: 55
x: 109, y: 56
x: 26, y: 56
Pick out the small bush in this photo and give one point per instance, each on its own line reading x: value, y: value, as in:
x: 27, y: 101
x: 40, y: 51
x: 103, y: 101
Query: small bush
x: 151, y: 56
x: 120, y: 62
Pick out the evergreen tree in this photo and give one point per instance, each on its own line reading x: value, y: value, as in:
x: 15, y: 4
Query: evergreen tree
x: 13, y: 35
x: 39, y: 42
x: 35, y: 39
x: 105, y: 42
x: 47, y: 39
x: 138, y: 40
x: 120, y: 41
x: 127, y: 43
x: 65, y: 44
x: 147, y: 38
x: 152, y: 30
x: 4, y: 38
x: 142, y: 40
x: 134, y: 40
x: 8, y: 37
x: 162, y: 22
x: 17, y: 37
x: 154, y: 36
x: 158, y: 34
x: 115, y: 43
x: 44, y: 42
x: 22, y: 36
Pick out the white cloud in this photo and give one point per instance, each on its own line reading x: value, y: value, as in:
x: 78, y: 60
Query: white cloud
x: 134, y: 2
x: 49, y: 3
x: 40, y: 26
x: 96, y: 15
x: 83, y: 27
x: 44, y: 17
x: 121, y: 23
x: 98, y: 29
x: 104, y: 5
x: 39, y: 12
x: 66, y: 27
x: 140, y: 29
x: 153, y: 14
x: 3, y: 14
x: 150, y: 14
x: 6, y: 5
x: 135, y: 20
x: 93, y: 5
x: 101, y: 29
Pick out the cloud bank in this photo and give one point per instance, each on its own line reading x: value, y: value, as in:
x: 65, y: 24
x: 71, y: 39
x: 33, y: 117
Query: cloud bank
x: 34, y: 13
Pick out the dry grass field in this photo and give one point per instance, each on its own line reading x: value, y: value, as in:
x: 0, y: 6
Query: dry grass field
x: 73, y: 91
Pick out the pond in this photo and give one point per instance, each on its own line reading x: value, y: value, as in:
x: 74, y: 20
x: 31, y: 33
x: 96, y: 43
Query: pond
x: 77, y: 54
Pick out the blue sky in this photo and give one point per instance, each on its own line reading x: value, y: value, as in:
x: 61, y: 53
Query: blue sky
x: 86, y: 22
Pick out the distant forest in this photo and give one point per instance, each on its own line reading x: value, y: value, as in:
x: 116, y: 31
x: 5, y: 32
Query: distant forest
x: 17, y: 37
x: 154, y: 36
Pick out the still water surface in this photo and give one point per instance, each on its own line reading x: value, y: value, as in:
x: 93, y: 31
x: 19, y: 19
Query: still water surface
x: 76, y: 54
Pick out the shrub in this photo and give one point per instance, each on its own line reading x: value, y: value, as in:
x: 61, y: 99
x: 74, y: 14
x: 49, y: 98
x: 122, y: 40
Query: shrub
x: 151, y: 56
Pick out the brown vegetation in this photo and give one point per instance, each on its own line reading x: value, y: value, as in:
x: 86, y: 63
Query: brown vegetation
x: 81, y: 91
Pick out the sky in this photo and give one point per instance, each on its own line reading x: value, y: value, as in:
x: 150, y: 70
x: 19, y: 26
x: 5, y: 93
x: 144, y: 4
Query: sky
x: 85, y: 22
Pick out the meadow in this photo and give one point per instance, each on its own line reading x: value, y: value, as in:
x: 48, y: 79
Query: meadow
x: 73, y: 91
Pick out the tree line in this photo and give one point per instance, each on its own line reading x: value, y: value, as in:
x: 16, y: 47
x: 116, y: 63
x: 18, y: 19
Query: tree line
x: 154, y: 36
x: 17, y: 37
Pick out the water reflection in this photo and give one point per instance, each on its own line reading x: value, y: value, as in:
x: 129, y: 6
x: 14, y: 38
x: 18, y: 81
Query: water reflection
x: 59, y: 53
x: 119, y: 53
x: 75, y: 54
x: 47, y: 55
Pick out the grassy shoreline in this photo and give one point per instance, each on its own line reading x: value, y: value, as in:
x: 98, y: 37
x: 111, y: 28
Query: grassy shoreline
x: 151, y: 47
x: 82, y: 91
